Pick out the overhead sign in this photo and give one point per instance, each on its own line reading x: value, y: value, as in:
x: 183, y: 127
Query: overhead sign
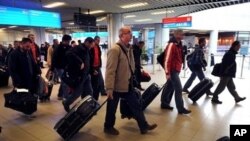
x: 26, y: 17
x: 177, y: 22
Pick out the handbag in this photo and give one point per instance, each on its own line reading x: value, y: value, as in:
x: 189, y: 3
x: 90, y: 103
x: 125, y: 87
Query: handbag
x: 216, y: 70
x: 22, y: 101
x: 145, y: 77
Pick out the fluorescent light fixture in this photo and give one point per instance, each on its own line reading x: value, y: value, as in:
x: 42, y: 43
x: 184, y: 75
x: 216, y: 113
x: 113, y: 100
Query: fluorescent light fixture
x: 100, y: 19
x: 130, y: 16
x: 95, y: 12
x: 12, y: 26
x: 143, y: 20
x: 2, y: 28
x: 162, y: 12
x: 133, y: 5
x: 71, y: 23
x: 26, y: 30
x: 53, y: 5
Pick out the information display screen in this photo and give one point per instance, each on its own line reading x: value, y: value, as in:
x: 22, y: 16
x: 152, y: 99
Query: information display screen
x: 25, y: 17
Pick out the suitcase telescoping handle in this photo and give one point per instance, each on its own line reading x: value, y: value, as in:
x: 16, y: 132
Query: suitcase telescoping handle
x: 102, y: 104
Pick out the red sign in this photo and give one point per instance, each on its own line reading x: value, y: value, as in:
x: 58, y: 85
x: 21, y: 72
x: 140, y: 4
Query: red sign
x: 177, y: 20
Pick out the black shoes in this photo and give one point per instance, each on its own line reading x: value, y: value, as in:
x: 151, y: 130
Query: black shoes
x: 150, y: 127
x: 66, y: 106
x: 184, y: 111
x: 111, y: 131
x: 240, y: 99
x: 209, y: 94
x: 186, y: 91
x: 216, y: 101
x: 167, y: 107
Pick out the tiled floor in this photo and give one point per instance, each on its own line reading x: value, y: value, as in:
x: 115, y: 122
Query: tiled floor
x: 207, y: 122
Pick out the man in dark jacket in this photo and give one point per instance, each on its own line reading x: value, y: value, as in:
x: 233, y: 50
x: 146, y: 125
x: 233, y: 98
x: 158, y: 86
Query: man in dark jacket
x: 78, y: 64
x: 196, y: 62
x: 137, y: 50
x: 59, y: 60
x: 95, y: 69
x: 172, y: 65
x: 227, y: 73
x: 23, y: 69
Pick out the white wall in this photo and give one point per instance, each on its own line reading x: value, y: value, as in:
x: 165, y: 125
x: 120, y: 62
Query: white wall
x: 8, y: 36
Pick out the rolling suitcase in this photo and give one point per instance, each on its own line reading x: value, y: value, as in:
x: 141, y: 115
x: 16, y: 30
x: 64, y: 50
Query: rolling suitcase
x: 149, y: 95
x: 200, y: 89
x: 78, y: 116
x: 145, y: 99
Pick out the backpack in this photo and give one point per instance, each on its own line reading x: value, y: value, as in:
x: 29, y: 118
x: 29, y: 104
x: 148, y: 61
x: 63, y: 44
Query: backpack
x: 160, y: 59
x: 192, y: 61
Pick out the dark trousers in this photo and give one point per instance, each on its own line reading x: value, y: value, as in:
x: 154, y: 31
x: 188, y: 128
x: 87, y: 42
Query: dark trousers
x: 95, y: 85
x: 138, y: 76
x: 199, y: 73
x: 134, y: 105
x: 101, y: 82
x: 173, y: 84
x: 226, y: 82
x: 83, y: 89
x: 62, y: 86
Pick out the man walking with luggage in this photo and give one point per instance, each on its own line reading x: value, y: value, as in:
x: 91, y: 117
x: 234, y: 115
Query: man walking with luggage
x: 118, y: 74
x: 227, y: 73
x: 22, y: 67
x: 172, y: 65
x: 196, y: 63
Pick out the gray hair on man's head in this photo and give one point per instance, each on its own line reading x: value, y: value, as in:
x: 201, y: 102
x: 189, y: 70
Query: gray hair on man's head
x: 124, y: 29
x: 178, y: 31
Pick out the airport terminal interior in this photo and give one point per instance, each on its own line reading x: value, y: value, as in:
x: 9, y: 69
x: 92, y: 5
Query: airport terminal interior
x: 219, y: 22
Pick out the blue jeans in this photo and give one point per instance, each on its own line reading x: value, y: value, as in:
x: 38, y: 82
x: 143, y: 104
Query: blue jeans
x: 63, y: 87
x: 133, y: 104
x: 199, y: 73
x: 173, y: 84
x: 83, y: 89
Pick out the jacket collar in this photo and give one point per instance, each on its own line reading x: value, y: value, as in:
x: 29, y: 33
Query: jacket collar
x: 232, y: 50
x: 173, y: 40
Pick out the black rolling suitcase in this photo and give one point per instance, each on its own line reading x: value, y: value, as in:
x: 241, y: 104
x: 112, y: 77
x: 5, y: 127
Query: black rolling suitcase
x: 145, y: 99
x: 149, y: 95
x: 4, y: 77
x: 78, y: 116
x: 200, y: 89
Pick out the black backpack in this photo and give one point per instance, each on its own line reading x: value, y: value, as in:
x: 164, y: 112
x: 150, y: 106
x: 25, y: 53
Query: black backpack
x: 160, y: 59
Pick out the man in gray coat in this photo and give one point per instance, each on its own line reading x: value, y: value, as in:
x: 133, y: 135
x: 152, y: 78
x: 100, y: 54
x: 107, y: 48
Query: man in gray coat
x: 119, y: 70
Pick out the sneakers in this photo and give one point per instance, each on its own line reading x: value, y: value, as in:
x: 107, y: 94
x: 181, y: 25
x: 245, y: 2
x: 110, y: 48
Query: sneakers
x: 240, y: 99
x: 216, y: 101
x: 150, y: 127
x: 66, y: 106
x: 166, y: 106
x: 184, y: 111
x: 111, y: 131
x: 186, y: 91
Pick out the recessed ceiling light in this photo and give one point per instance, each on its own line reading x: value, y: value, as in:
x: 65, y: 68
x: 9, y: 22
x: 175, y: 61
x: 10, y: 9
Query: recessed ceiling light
x: 162, y: 12
x: 53, y: 5
x: 71, y: 23
x: 133, y: 5
x: 100, y: 19
x: 95, y: 12
x: 12, y: 26
x: 130, y: 16
x: 143, y: 20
